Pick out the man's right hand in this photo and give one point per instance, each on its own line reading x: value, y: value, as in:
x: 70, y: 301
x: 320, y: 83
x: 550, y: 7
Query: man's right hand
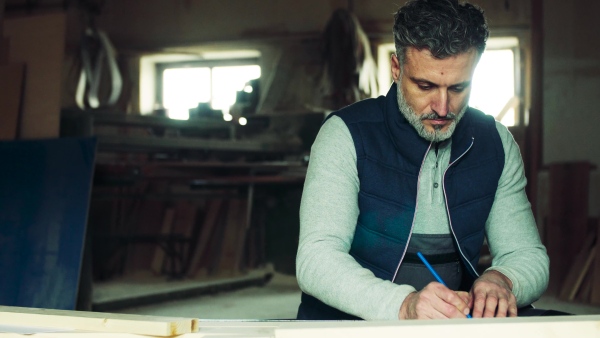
x: 435, y: 301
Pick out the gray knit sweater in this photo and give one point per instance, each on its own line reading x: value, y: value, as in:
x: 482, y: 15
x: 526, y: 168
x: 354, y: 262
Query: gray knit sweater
x: 329, y: 210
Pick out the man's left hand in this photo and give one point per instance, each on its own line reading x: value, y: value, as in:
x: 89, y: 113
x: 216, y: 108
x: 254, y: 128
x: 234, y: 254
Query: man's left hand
x: 491, y: 296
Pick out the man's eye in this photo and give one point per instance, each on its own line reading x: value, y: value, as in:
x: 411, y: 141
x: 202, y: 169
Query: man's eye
x: 424, y: 87
x: 457, y: 89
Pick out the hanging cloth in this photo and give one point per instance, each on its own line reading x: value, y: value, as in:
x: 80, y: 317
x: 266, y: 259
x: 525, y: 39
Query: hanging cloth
x: 96, y: 53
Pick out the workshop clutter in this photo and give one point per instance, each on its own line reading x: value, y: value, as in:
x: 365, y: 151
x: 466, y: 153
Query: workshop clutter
x: 179, y: 238
x: 570, y: 235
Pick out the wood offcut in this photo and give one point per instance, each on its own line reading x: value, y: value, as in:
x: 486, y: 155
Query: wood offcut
x: 97, y: 322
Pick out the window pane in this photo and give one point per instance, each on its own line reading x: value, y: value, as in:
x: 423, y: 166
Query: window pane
x: 184, y: 88
x: 493, y: 87
x: 227, y: 81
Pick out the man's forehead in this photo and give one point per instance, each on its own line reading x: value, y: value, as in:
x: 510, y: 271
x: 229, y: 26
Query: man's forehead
x: 413, y: 53
x: 450, y: 70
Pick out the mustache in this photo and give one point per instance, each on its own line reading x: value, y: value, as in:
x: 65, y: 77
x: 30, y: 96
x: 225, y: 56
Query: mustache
x: 435, y: 116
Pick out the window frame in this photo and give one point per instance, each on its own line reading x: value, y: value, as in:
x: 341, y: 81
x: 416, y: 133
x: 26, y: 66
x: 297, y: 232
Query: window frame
x: 160, y: 67
x: 519, y: 79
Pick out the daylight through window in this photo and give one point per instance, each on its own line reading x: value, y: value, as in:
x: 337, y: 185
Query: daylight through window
x: 185, y: 87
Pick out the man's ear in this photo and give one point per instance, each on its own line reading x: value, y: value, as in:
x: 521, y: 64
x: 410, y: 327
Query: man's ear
x: 395, y: 68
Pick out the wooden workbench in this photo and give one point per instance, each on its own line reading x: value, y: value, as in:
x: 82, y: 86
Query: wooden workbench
x: 103, y: 325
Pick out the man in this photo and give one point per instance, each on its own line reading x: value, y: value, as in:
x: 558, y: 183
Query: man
x: 419, y: 171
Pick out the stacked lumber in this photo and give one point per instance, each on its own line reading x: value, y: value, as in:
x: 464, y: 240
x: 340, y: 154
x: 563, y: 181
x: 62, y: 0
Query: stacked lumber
x: 203, y: 236
x: 582, y: 282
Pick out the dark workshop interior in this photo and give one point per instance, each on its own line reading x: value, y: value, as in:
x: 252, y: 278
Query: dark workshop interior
x: 154, y: 152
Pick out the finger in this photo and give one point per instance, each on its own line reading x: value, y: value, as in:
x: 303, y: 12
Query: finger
x: 427, y: 305
x: 478, y: 304
x: 491, y: 303
x: 426, y: 310
x: 465, y: 296
x: 512, y: 306
x: 452, y: 305
x: 502, y: 310
x: 444, y: 310
x: 471, y: 299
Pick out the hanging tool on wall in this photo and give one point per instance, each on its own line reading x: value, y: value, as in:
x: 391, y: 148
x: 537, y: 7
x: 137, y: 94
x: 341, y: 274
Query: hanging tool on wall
x: 97, y: 52
x: 349, y: 68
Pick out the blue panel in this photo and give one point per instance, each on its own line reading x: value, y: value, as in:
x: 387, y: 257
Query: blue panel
x: 44, y: 198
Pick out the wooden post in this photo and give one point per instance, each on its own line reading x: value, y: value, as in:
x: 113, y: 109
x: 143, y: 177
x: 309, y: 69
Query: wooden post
x: 534, y: 130
x: 3, y: 42
x: 2, y: 5
x: 595, y: 297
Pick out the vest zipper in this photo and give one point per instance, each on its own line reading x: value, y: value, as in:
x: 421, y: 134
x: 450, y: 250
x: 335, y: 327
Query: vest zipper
x: 415, y: 215
x: 448, y: 210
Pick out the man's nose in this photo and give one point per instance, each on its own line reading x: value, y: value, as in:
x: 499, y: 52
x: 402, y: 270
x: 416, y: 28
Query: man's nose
x: 440, y: 103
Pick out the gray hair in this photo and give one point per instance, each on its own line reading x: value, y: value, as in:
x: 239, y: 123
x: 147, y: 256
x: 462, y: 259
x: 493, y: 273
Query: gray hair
x: 444, y: 27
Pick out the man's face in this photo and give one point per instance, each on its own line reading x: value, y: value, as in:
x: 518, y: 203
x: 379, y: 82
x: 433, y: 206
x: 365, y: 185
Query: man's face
x: 433, y: 93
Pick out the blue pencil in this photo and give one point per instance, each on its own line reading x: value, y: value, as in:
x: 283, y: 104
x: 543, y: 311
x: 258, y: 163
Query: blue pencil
x: 437, y: 277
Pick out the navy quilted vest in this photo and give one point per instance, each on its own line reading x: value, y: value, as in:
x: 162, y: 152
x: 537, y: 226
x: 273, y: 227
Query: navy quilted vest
x: 389, y: 157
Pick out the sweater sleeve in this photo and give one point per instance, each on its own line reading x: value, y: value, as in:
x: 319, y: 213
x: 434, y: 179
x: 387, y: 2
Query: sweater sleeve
x: 511, y: 231
x: 328, y: 214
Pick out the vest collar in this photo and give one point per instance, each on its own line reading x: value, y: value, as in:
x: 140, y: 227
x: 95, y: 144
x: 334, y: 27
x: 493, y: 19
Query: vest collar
x: 408, y: 142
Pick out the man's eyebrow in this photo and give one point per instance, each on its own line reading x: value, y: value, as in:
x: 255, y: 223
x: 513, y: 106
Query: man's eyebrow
x: 419, y: 80
x: 425, y: 81
x: 461, y: 84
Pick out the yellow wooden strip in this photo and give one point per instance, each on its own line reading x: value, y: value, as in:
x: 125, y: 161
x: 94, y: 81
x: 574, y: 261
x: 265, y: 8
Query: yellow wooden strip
x: 97, y: 322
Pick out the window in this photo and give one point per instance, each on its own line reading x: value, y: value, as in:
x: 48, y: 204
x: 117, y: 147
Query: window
x: 208, y: 80
x: 495, y: 90
x: 182, y: 86
x: 496, y: 82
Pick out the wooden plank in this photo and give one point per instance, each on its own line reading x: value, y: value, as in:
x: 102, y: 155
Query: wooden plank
x: 236, y: 217
x: 159, y: 253
x: 242, y: 233
x: 595, y: 297
x: 570, y: 286
x: 39, y: 42
x: 211, y: 217
x: 585, y: 290
x: 531, y: 327
x: 98, y: 322
x: 187, y: 211
x: 587, y: 326
x: 121, y: 142
x: 145, y: 220
x: 582, y: 273
x: 211, y: 256
x: 11, y: 82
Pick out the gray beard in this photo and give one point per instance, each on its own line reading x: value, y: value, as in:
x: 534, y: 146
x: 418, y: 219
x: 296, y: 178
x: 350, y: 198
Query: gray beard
x: 437, y: 135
